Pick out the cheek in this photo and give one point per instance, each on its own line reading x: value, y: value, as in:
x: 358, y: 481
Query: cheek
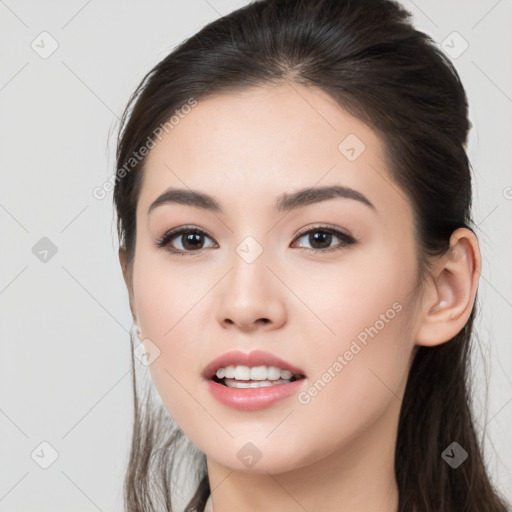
x: 359, y: 370
x: 168, y: 306
x: 362, y: 358
x: 361, y: 312
x: 364, y: 367
x: 165, y: 293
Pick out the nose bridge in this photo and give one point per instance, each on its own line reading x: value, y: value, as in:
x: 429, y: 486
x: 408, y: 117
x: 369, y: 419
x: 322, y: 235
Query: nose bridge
x: 250, y: 292
x: 249, y: 275
x: 250, y: 251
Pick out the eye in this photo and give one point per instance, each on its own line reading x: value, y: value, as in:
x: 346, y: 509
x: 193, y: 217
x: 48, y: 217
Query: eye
x: 322, y: 236
x: 190, y: 238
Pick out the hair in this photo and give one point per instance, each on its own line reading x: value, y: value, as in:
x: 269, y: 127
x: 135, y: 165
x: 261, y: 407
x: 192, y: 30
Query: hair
x: 370, y: 59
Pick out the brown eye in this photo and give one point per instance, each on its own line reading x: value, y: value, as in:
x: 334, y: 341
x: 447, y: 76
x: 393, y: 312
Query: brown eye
x: 321, y: 238
x: 190, y: 239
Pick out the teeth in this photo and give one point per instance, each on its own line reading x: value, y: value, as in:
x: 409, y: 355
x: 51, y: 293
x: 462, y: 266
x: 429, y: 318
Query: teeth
x: 229, y: 372
x: 257, y: 373
x: 233, y: 383
x: 242, y: 373
x: 274, y: 373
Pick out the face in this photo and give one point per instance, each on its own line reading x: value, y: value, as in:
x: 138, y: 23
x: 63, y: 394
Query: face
x: 326, y: 283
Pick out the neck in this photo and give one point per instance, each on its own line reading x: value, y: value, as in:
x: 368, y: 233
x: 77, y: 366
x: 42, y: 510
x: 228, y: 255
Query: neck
x: 358, y: 476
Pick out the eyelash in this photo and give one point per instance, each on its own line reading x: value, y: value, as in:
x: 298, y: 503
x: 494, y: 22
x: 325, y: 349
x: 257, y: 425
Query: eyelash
x: 166, y: 238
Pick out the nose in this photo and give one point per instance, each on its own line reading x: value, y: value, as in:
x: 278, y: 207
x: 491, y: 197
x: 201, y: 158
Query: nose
x: 251, y: 296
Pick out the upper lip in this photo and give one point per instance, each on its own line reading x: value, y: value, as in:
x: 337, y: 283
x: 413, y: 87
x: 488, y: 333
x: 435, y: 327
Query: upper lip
x: 254, y: 358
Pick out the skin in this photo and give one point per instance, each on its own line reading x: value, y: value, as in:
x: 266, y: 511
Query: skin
x: 337, y: 451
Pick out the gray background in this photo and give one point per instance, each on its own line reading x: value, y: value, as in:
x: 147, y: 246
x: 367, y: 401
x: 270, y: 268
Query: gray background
x: 65, y: 362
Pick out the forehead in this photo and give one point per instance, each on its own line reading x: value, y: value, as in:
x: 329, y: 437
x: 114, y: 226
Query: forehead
x: 266, y: 140
x: 271, y: 124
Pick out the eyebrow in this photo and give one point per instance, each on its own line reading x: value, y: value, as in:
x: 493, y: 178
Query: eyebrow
x: 284, y: 203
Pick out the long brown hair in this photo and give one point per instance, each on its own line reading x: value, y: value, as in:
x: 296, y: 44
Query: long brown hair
x: 368, y: 57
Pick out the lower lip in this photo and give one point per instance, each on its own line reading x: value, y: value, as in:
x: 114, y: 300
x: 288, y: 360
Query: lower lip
x: 252, y: 399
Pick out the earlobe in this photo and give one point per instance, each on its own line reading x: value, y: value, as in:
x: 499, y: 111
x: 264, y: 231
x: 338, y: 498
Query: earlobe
x: 139, y: 332
x: 452, y: 294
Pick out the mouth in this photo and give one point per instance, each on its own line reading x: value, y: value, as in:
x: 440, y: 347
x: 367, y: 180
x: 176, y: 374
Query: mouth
x: 252, y: 381
x: 243, y: 377
x: 256, y: 369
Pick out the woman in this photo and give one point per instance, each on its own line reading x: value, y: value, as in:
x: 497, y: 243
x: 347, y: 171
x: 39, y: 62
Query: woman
x: 293, y: 199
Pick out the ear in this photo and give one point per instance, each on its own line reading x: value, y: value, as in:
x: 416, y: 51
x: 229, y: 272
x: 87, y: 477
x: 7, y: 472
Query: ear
x: 450, y: 297
x: 127, y: 269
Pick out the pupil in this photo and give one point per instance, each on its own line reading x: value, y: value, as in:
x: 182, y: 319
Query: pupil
x: 324, y: 237
x: 189, y: 239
